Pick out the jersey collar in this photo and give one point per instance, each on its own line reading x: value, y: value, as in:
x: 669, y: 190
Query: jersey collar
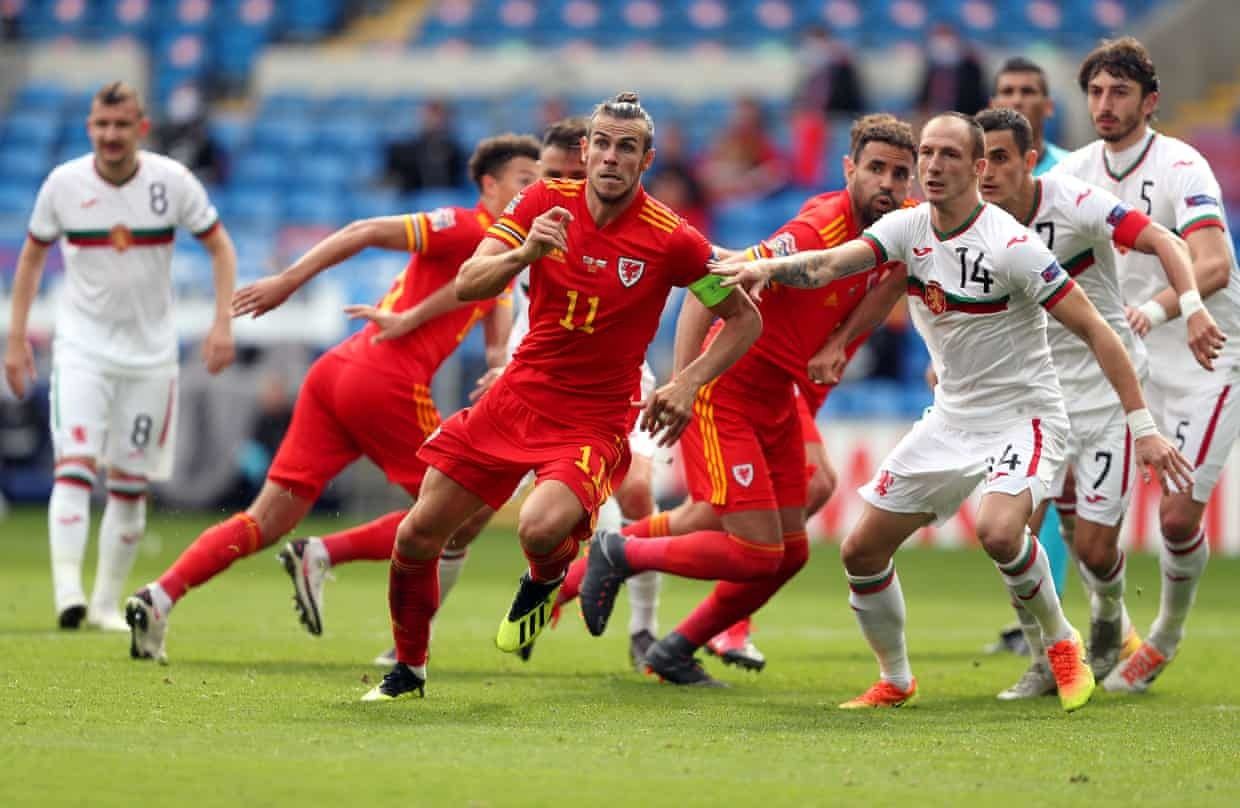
x: 965, y: 225
x: 136, y: 169
x: 1121, y: 175
x: 484, y: 215
x: 1037, y: 203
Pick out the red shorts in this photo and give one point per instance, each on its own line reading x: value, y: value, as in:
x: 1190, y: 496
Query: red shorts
x: 489, y: 447
x: 743, y: 449
x: 809, y: 427
x: 344, y: 411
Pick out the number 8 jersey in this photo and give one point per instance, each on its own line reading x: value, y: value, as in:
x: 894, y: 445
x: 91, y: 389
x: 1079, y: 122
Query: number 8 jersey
x: 977, y: 298
x: 115, y: 310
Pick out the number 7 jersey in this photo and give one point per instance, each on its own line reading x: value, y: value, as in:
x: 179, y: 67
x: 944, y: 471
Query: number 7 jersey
x: 595, y: 308
x: 977, y: 297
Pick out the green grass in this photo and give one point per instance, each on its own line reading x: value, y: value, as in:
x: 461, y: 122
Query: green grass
x: 253, y: 711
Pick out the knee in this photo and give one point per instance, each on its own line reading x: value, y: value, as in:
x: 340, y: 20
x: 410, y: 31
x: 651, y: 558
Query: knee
x: 1179, y: 523
x: 1001, y: 538
x: 860, y: 558
x: 541, y: 532
x: 819, y: 490
x: 417, y: 538
x: 1098, y: 556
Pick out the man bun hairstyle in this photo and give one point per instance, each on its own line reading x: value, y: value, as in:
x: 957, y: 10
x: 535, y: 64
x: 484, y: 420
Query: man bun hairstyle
x: 1005, y: 119
x: 1125, y: 57
x: 566, y: 133
x: 881, y: 128
x: 493, y: 153
x: 625, y: 106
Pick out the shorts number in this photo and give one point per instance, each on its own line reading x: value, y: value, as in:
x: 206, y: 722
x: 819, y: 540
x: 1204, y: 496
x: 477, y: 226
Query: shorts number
x: 1008, y: 458
x: 1180, y: 437
x: 587, y: 327
x: 1046, y: 231
x: 598, y: 478
x: 159, y: 198
x: 1146, y: 187
x: 140, y: 436
x: 1103, y: 457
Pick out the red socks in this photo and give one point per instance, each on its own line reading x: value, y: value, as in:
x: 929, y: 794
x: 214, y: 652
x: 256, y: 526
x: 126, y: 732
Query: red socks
x: 413, y: 599
x: 730, y: 602
x: 707, y: 554
x: 212, y: 553
x: 651, y: 527
x: 549, y: 567
x: 372, y: 541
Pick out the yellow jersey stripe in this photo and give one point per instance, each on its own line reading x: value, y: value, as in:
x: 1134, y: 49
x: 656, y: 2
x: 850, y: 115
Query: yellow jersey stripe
x: 504, y: 235
x: 657, y: 224
x: 409, y: 233
x: 512, y: 225
x: 660, y: 213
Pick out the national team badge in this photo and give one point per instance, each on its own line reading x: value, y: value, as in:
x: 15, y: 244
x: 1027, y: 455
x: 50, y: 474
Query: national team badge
x: 121, y: 238
x: 743, y: 474
x: 936, y: 298
x: 630, y: 271
x: 441, y: 219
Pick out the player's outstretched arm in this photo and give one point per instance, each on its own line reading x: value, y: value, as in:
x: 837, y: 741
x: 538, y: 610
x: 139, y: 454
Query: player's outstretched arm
x: 805, y: 270
x: 494, y: 264
x: 671, y: 406
x: 397, y: 324
x: 18, y: 356
x: 1079, y: 316
x: 827, y: 365
x: 218, y: 350
x: 1192, y: 273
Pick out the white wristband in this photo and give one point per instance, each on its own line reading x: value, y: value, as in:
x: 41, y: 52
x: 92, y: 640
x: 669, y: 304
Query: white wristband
x: 1141, y: 424
x: 1154, y: 312
x: 1190, y: 303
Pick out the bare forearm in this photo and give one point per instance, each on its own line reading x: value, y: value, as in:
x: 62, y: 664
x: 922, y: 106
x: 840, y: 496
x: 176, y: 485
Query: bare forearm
x: 737, y: 334
x: 1113, y: 359
x: 873, y: 309
x: 691, y: 329
x: 224, y: 275
x: 495, y: 329
x: 25, y: 287
x: 485, y: 276
x: 336, y: 248
x: 808, y: 270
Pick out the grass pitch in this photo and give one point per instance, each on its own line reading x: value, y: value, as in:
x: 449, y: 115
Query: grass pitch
x: 254, y: 711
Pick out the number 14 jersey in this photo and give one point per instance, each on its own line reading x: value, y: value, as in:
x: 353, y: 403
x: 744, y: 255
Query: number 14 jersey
x: 977, y: 298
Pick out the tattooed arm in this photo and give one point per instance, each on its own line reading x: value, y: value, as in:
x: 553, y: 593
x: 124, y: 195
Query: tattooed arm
x: 805, y: 270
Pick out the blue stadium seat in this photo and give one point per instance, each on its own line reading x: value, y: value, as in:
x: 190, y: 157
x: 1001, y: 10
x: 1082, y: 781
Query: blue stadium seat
x: 262, y: 168
x: 16, y: 199
x: 372, y: 203
x: 24, y: 164
x: 30, y: 128
x: 41, y: 97
x: 280, y: 135
x: 257, y: 206
x: 845, y: 18
x: 309, y: 20
x: 132, y: 18
x: 303, y: 208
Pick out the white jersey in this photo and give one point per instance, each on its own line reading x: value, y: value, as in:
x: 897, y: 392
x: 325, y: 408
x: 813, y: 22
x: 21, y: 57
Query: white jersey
x: 1170, y: 181
x: 115, y: 310
x: 1078, y: 222
x: 977, y: 297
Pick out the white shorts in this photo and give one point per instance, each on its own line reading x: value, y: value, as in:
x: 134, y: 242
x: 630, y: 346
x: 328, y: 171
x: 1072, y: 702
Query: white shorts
x: 935, y: 467
x: 125, y: 422
x: 1099, y: 455
x: 1202, y: 423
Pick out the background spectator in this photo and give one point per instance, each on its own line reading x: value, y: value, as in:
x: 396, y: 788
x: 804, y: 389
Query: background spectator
x: 953, y: 75
x: 430, y: 159
x: 744, y: 161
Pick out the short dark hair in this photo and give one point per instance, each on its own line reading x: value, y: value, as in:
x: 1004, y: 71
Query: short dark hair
x: 881, y: 128
x: 1124, y: 57
x: 1019, y: 64
x: 565, y: 133
x: 493, y: 153
x: 1005, y: 119
x: 625, y: 106
x: 976, y: 136
x: 118, y: 92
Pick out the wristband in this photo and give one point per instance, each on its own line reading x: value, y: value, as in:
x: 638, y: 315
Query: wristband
x: 1190, y: 303
x: 1154, y: 312
x: 1141, y: 424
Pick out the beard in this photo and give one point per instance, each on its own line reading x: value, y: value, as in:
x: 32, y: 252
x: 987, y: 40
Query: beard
x: 871, y: 212
x: 1126, y: 126
x: 612, y: 197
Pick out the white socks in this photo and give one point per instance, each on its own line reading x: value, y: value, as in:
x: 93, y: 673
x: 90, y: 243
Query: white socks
x: 878, y: 603
x: 68, y: 526
x: 1182, y: 565
x: 644, y: 602
x: 1028, y: 579
x: 124, y: 523
x: 1107, y: 591
x: 451, y: 562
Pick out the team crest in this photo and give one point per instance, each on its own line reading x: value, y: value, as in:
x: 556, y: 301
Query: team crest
x: 630, y: 270
x: 936, y: 298
x: 743, y: 474
x: 121, y: 238
x: 441, y: 219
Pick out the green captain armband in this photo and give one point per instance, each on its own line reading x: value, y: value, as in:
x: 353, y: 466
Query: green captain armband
x: 710, y: 290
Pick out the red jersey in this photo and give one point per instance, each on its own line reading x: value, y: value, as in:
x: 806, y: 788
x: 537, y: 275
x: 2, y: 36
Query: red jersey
x: 797, y: 322
x: 440, y: 242
x: 595, y: 308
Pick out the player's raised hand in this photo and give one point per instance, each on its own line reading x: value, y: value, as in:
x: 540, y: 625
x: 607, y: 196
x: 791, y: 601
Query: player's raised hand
x: 549, y: 231
x: 1174, y: 472
x: 19, y: 365
x: 1205, y: 339
x: 391, y: 325
x: 218, y: 350
x: 262, y: 296
x: 1137, y: 321
x: 484, y: 383
x: 827, y: 366
x: 751, y: 276
x: 668, y: 410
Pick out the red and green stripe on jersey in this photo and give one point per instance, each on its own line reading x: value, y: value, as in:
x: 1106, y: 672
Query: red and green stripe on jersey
x: 938, y: 299
x: 1201, y: 223
x: 121, y: 237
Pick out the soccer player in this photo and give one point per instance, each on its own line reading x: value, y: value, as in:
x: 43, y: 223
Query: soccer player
x: 1021, y: 85
x: 979, y: 282
x: 744, y: 450
x: 1169, y: 181
x: 370, y: 395
x: 603, y: 257
x: 1078, y: 222
x: 114, y: 359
